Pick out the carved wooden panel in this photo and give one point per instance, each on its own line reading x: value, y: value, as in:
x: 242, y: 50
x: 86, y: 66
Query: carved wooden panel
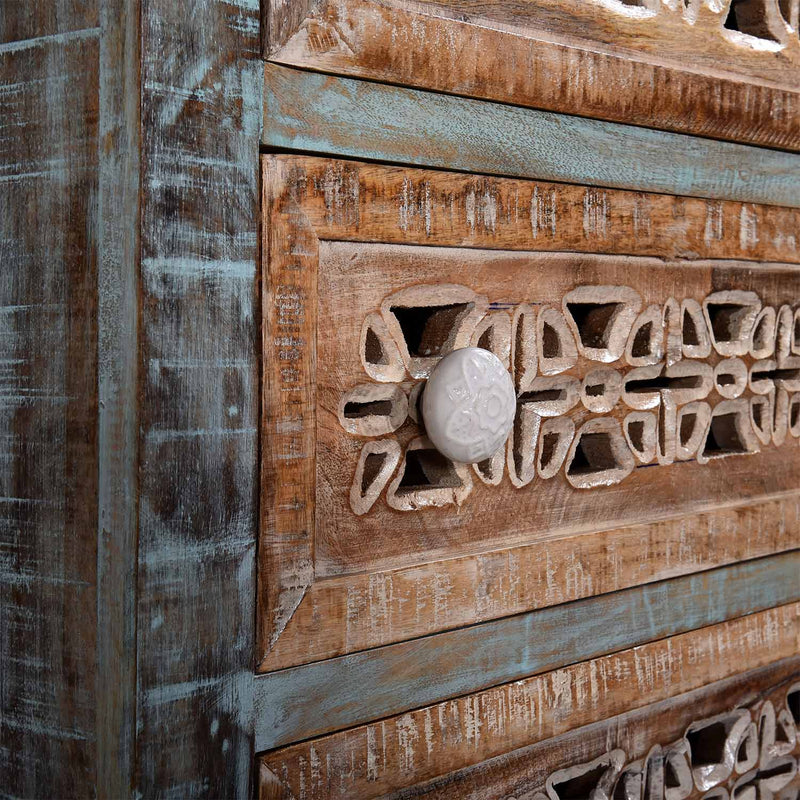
x: 725, y: 68
x: 654, y: 345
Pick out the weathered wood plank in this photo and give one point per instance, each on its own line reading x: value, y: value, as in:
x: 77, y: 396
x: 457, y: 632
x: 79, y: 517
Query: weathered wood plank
x: 48, y: 404
x: 401, y: 751
x: 118, y: 360
x: 340, y: 116
x: 201, y: 112
x: 308, y: 701
x: 531, y: 62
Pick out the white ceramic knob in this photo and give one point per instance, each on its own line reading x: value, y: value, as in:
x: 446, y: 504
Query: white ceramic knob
x: 468, y: 405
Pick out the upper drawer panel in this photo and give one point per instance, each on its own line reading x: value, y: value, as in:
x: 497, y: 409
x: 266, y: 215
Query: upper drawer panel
x: 721, y: 68
x: 655, y: 348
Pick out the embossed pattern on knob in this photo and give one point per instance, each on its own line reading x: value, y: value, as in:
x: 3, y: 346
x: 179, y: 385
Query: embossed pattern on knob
x: 468, y: 405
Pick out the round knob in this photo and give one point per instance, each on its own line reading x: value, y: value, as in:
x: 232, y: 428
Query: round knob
x: 468, y: 405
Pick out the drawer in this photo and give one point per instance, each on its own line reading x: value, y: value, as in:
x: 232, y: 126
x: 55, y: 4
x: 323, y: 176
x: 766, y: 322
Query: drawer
x: 654, y: 346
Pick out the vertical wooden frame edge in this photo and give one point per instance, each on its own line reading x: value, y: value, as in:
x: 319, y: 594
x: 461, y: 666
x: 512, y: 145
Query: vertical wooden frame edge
x: 289, y: 279
x: 118, y: 375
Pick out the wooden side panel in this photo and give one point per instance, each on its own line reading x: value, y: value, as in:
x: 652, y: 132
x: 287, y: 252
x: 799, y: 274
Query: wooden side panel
x: 375, y: 760
x: 48, y: 407
x: 201, y: 112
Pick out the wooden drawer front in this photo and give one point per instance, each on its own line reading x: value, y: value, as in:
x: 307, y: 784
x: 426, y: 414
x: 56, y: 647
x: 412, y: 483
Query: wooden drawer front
x: 721, y: 68
x: 713, y: 709
x: 656, y: 355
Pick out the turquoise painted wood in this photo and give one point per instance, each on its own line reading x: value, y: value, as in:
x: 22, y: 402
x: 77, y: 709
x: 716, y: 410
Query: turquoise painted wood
x: 318, y: 698
x: 345, y: 117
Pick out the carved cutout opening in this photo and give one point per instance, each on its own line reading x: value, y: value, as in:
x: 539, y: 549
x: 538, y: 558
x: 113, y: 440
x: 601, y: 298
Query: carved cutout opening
x: 690, y: 335
x: 645, y: 342
x: 551, y: 342
x: 557, y: 349
x: 549, y: 444
x: 763, y: 341
x: 522, y: 446
x: 751, y: 17
x: 379, y: 353
x: 695, y: 341
x: 641, y: 341
x: 707, y: 745
x: 427, y: 469
x: 581, y: 786
x: 601, y: 390
x: 636, y: 434
x: 594, y: 322
x: 594, y: 453
x: 373, y: 409
x: 551, y: 397
x: 794, y: 416
x: 373, y: 464
x: 595, y: 779
x: 524, y: 359
x: 376, y: 463
x: 555, y: 439
x: 747, y: 752
x: 793, y: 703
x: 370, y: 408
x: 724, y: 437
x: 730, y: 316
x: 662, y: 382
x: 687, y: 428
x: 601, y: 317
x: 494, y: 334
x: 426, y: 329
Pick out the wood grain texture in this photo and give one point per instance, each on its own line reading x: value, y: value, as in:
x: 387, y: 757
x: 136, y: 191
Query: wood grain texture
x: 522, y: 772
x: 201, y: 112
x: 310, y: 202
x: 48, y: 409
x: 341, y: 116
x: 374, y: 760
x: 304, y: 702
x: 571, y: 57
x: 118, y: 361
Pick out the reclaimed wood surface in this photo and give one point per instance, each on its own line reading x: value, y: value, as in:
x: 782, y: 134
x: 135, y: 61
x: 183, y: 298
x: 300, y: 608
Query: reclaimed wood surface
x: 117, y: 388
x: 342, y: 116
x: 401, y: 751
x: 523, y: 773
x: 319, y: 698
x: 201, y: 112
x: 310, y: 203
x: 678, y: 69
x: 48, y: 406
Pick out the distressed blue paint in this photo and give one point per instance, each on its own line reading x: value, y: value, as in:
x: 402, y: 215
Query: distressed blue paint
x: 341, y: 116
x: 317, y: 698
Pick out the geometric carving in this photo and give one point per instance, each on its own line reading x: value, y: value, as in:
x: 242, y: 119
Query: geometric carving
x: 730, y: 316
x: 646, y: 340
x: 745, y: 754
x: 594, y: 780
x: 601, y: 318
x: 428, y: 322
x: 665, y: 364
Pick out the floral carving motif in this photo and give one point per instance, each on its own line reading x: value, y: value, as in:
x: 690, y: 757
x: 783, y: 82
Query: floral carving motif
x: 602, y: 385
